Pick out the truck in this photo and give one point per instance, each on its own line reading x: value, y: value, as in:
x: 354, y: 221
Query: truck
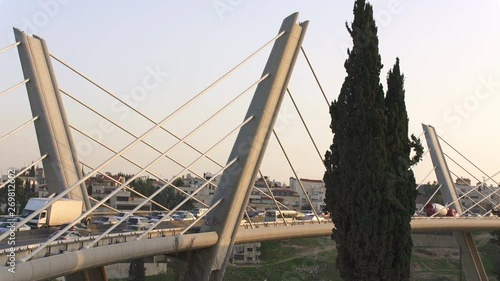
x: 439, y: 210
x: 61, y: 212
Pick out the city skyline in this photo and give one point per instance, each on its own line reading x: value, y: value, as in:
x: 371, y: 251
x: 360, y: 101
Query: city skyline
x: 447, y: 57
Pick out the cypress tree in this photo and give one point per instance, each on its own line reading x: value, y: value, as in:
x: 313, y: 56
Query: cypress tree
x: 358, y: 193
x: 400, y: 176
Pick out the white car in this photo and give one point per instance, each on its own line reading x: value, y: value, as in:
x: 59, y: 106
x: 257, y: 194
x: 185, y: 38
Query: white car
x: 308, y: 213
x: 162, y: 217
x: 7, y: 226
x: 104, y: 220
x: 135, y: 227
x: 120, y: 215
x: 313, y: 218
x: 137, y: 221
x: 68, y: 235
x: 183, y: 216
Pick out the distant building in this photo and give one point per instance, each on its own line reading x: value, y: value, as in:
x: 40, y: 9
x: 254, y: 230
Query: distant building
x: 261, y: 183
x: 480, y: 200
x: 40, y: 176
x: 245, y: 253
x: 285, y: 196
x: 205, y: 195
x: 315, y: 189
x: 123, y: 200
x: 463, y: 181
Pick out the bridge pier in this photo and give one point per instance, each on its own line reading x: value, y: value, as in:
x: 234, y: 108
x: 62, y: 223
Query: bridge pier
x: 61, y: 166
x: 472, y: 264
x: 237, y: 181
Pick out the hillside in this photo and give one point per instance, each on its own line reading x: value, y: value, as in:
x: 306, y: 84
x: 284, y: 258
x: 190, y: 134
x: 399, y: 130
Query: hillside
x: 314, y: 259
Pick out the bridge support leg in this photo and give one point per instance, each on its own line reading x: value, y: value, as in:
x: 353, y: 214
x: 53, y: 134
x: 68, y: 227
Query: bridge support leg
x: 472, y: 264
x: 236, y: 182
x: 61, y: 166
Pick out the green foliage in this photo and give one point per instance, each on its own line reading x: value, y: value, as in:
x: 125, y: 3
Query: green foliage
x: 400, y: 177
x: 32, y: 172
x: 143, y: 186
x: 178, y: 182
x: 171, y: 198
x: 370, y: 187
x: 22, y: 194
x: 168, y: 197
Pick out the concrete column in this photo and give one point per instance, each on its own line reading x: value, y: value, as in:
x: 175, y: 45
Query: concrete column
x: 472, y: 264
x: 61, y: 166
x: 236, y: 182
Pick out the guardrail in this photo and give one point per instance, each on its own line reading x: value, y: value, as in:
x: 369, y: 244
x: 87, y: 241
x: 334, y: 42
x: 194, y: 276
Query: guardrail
x: 58, y: 247
x: 419, y: 224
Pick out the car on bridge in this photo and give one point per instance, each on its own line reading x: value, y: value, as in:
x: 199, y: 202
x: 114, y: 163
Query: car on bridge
x: 307, y: 212
x: 133, y: 228
x: 104, y: 220
x: 198, y: 211
x: 137, y: 221
x: 10, y: 219
x: 7, y: 226
x: 313, y: 218
x: 68, y: 235
x: 259, y: 214
x: 120, y: 215
x: 81, y: 228
x: 154, y: 214
x: 183, y: 216
x: 162, y: 217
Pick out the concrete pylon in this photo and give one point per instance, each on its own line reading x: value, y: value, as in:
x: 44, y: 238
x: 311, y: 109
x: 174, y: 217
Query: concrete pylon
x: 61, y: 166
x: 471, y: 260
x: 237, y: 181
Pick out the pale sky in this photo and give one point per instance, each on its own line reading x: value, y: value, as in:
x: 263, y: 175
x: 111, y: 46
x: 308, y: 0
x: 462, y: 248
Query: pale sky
x: 449, y: 52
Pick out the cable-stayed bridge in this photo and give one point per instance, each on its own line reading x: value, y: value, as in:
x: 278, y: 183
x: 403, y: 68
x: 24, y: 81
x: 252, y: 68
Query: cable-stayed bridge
x: 220, y: 227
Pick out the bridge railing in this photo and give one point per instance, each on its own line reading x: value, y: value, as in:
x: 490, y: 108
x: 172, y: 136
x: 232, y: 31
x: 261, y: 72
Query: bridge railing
x: 62, y: 246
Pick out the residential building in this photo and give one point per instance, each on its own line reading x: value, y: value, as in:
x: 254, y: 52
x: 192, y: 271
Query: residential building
x: 479, y: 198
x: 285, y: 196
x: 245, y: 253
x: 315, y: 189
x: 205, y: 195
x: 123, y: 200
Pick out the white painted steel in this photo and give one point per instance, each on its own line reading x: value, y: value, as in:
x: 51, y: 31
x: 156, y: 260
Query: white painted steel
x: 472, y: 265
x: 261, y: 232
x: 68, y: 262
